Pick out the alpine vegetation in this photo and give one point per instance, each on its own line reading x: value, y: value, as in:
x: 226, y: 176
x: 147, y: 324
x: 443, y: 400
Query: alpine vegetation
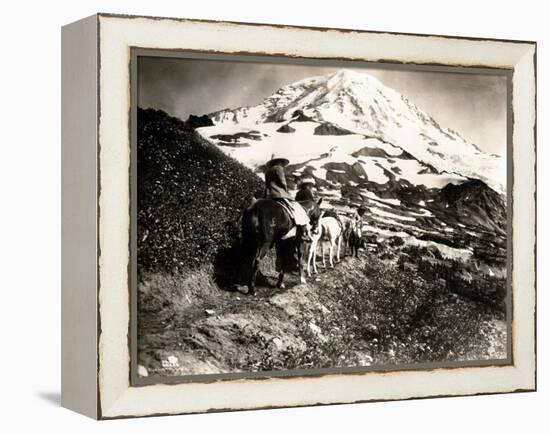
x: 334, y: 224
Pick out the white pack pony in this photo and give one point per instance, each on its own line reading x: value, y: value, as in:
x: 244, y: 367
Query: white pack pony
x: 330, y: 231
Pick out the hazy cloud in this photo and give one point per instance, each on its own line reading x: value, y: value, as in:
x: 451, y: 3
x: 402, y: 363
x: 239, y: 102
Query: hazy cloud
x: 474, y: 105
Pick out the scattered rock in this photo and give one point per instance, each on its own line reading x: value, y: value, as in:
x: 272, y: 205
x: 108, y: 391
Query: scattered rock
x: 142, y: 371
x: 209, y: 311
x: 370, y: 330
x: 170, y: 362
x: 327, y: 129
x: 278, y: 343
x: 317, y: 331
x: 314, y: 328
x: 286, y: 129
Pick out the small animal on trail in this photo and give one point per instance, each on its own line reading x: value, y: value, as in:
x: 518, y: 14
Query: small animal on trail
x: 331, y: 233
x: 264, y: 226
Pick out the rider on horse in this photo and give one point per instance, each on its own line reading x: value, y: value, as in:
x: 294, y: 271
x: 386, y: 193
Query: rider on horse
x: 305, y: 189
x: 277, y: 189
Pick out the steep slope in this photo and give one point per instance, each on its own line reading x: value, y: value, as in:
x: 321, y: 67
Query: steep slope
x: 190, y: 195
x: 323, y: 151
x: 473, y: 202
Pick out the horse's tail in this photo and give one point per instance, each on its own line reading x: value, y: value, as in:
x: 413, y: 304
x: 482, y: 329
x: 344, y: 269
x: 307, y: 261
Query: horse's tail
x: 251, y: 227
x: 249, y: 234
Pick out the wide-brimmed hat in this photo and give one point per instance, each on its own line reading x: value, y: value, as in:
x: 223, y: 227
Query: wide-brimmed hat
x: 277, y: 159
x: 307, y: 180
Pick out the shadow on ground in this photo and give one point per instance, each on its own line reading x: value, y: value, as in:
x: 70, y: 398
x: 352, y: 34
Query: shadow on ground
x: 52, y: 398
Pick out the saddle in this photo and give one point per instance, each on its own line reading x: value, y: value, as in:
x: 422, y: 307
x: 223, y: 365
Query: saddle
x: 287, y: 207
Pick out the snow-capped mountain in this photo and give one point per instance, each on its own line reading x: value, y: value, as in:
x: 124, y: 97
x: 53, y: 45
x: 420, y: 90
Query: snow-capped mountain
x: 352, y: 118
x: 405, y: 198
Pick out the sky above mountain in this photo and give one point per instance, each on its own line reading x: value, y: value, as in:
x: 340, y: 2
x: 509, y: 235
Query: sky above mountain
x: 472, y: 104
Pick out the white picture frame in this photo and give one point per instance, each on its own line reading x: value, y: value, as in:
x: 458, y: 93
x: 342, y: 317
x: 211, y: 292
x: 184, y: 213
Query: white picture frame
x: 96, y: 307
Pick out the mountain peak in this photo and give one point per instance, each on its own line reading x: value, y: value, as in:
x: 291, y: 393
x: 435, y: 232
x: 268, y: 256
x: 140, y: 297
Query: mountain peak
x: 351, y: 76
x: 357, y: 84
x: 358, y: 102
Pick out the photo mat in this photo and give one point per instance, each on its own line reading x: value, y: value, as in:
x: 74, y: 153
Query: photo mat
x: 190, y: 323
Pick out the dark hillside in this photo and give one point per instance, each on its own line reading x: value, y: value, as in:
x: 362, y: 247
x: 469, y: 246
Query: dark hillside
x: 474, y: 202
x: 191, y: 195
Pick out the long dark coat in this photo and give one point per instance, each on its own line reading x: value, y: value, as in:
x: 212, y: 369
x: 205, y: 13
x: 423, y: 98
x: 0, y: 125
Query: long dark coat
x: 275, y: 183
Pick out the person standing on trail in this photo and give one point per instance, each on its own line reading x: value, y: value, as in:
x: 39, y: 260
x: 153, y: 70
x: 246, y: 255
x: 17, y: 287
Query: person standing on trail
x: 358, y: 220
x: 276, y: 188
x: 305, y: 189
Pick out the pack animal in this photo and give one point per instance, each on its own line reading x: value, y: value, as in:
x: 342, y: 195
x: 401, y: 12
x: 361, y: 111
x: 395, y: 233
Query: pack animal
x: 265, y: 224
x: 331, y: 234
x: 311, y: 248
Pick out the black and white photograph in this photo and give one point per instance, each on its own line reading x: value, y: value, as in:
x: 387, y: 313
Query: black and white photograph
x: 287, y: 217
x: 295, y: 217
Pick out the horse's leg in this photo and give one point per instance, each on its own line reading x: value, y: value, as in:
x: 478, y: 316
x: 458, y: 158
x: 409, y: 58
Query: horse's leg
x: 314, y: 255
x: 243, y: 271
x: 339, y: 247
x: 300, y: 261
x: 258, y: 256
x: 323, y: 253
x: 281, y: 263
x: 308, y: 259
x: 281, y: 279
x: 254, y: 264
x: 344, y: 237
x: 331, y: 252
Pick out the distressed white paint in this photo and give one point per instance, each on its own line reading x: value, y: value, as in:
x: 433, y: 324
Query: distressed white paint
x: 117, y: 398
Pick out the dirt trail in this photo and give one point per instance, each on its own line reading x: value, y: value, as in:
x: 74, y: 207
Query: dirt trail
x: 306, y: 325
x: 220, y: 330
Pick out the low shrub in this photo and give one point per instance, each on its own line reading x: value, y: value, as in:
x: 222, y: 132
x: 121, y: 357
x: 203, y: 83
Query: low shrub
x: 395, y: 241
x: 190, y: 195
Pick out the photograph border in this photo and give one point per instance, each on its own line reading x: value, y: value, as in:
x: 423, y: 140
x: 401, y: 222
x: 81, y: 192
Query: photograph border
x: 137, y: 52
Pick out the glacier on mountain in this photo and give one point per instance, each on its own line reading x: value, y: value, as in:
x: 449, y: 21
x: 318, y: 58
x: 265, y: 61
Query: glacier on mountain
x: 366, y: 114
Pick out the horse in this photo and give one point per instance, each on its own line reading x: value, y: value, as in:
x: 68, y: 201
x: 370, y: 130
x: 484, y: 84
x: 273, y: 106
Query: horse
x: 311, y: 250
x: 331, y: 229
x: 266, y: 223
